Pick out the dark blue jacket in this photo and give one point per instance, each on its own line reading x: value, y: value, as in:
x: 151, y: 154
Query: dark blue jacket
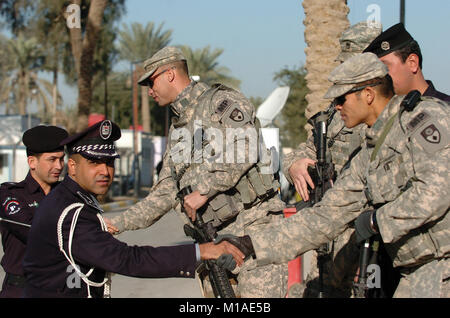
x: 19, y: 202
x: 432, y: 92
x: 46, y: 269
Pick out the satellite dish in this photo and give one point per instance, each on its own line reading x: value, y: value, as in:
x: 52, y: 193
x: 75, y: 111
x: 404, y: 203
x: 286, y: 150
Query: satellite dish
x: 272, y: 106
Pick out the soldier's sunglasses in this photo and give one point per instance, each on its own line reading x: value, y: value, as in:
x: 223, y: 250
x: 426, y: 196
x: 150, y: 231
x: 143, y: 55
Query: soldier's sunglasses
x: 341, y: 99
x: 151, y: 81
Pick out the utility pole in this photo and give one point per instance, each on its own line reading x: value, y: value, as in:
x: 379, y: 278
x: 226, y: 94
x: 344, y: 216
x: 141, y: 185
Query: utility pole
x: 402, y: 11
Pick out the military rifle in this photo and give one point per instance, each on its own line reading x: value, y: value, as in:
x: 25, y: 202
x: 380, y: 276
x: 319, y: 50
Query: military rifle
x: 202, y: 233
x: 322, y: 174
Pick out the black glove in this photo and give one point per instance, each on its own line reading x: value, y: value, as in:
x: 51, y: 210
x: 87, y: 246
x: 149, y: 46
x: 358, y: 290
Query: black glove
x: 364, y: 226
x: 243, y: 243
x: 226, y: 261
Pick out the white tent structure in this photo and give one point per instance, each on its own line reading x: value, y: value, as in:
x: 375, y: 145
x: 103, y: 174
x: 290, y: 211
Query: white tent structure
x: 13, y: 158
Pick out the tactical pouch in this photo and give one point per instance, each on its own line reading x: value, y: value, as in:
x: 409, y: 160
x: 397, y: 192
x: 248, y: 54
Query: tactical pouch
x: 256, y: 186
x: 221, y: 209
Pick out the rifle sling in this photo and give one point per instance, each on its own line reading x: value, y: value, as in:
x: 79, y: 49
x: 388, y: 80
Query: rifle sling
x: 383, y: 137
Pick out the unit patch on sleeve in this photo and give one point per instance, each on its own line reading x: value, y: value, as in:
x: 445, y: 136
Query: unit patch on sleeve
x: 431, y: 134
x: 237, y: 115
x: 11, y: 206
x: 432, y: 137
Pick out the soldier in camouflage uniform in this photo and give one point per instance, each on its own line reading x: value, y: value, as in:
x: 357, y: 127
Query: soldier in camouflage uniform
x: 400, y: 179
x: 341, y: 262
x: 239, y: 194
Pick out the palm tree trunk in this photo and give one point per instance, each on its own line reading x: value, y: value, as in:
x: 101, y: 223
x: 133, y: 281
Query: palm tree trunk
x: 94, y: 24
x: 325, y: 20
x: 22, y: 98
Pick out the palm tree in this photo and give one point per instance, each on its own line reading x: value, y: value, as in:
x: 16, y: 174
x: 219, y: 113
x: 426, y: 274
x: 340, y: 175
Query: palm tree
x: 325, y: 20
x: 49, y: 27
x: 22, y: 84
x: 203, y: 63
x: 137, y: 43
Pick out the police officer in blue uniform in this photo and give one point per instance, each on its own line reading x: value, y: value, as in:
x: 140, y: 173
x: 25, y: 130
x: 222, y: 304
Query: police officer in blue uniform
x: 70, y: 252
x: 19, y: 200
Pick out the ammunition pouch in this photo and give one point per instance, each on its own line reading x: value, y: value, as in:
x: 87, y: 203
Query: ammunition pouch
x: 222, y: 208
x: 255, y: 187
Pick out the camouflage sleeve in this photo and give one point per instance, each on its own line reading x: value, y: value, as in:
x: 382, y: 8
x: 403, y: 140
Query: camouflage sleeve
x: 428, y: 197
x: 159, y: 201
x: 232, y: 143
x: 304, y: 150
x: 315, y: 226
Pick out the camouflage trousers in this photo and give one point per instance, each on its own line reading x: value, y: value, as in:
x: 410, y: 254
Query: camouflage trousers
x: 431, y: 280
x: 339, y: 269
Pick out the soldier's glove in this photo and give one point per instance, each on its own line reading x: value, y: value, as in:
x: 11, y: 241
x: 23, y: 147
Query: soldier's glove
x: 365, y: 226
x: 226, y: 261
x: 243, y: 243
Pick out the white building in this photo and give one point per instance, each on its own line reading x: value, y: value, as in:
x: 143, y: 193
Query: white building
x: 13, y: 157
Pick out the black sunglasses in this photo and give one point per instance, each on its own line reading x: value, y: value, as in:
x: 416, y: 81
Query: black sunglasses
x: 151, y: 81
x: 341, y: 99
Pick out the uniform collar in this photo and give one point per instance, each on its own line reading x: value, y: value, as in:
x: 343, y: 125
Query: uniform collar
x: 32, y: 185
x: 430, y: 91
x: 374, y: 132
x: 79, y: 192
x: 187, y: 96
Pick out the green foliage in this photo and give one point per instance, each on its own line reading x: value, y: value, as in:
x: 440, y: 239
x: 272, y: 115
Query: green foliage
x: 138, y: 42
x: 256, y: 101
x: 293, y: 117
x: 119, y: 99
x: 20, y: 84
x: 203, y: 63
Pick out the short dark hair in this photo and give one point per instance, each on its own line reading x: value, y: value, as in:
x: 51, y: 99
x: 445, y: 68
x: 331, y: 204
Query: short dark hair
x: 182, y: 65
x: 411, y: 48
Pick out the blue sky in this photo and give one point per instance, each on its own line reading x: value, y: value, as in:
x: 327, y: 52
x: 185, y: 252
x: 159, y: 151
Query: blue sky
x: 260, y: 37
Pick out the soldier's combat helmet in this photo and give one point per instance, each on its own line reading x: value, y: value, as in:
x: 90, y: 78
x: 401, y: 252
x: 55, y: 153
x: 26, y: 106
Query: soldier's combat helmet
x: 96, y: 142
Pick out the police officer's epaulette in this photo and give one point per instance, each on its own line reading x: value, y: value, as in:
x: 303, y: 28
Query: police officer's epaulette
x: 12, y: 185
x: 89, y: 201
